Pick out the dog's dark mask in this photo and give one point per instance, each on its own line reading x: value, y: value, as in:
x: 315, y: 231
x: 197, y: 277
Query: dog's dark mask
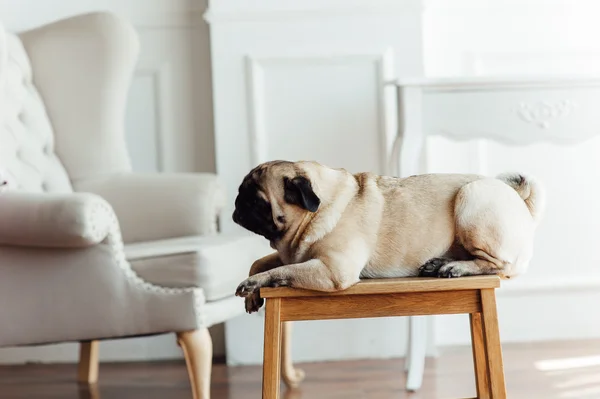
x: 253, y: 212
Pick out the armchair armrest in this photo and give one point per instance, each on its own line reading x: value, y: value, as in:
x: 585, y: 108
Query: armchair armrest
x: 72, y: 220
x: 159, y: 206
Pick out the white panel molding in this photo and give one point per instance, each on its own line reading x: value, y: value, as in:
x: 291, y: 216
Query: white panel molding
x: 233, y: 11
x: 256, y: 109
x: 159, y: 76
x: 255, y: 75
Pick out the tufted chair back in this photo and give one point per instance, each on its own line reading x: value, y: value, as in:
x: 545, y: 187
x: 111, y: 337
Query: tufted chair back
x: 27, y: 155
x: 63, y: 93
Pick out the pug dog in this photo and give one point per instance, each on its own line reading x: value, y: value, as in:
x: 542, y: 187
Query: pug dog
x: 331, y: 228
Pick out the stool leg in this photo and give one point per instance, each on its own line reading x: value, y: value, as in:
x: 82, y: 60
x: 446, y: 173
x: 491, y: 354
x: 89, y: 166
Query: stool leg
x: 492, y: 343
x: 482, y: 378
x: 272, y: 349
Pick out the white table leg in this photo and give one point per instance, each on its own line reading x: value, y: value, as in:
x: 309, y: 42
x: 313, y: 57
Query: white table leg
x: 417, y: 346
x: 408, y: 346
x: 408, y: 156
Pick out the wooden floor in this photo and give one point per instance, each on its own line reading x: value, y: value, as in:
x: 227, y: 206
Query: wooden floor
x: 544, y: 371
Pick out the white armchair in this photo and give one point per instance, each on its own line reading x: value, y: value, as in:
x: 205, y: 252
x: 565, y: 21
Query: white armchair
x: 90, y: 250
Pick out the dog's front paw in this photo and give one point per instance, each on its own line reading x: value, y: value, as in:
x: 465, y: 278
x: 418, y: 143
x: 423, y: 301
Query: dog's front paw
x: 248, y: 287
x: 432, y: 267
x: 455, y: 269
x: 253, y: 303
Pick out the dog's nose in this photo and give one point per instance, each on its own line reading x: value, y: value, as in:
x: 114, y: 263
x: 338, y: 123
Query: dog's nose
x: 236, y: 216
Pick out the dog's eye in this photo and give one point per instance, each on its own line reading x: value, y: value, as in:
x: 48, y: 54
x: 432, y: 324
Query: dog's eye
x: 281, y: 219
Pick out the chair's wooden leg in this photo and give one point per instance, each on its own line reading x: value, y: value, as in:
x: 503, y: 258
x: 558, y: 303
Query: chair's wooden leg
x: 197, y: 350
x: 90, y: 391
x: 491, y: 334
x: 87, y: 372
x: 272, y: 349
x: 290, y: 375
x: 479, y: 357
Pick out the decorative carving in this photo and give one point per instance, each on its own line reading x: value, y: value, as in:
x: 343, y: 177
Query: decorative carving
x: 543, y: 112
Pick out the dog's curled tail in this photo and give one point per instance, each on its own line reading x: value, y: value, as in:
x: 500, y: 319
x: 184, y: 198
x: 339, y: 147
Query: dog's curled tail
x: 529, y: 189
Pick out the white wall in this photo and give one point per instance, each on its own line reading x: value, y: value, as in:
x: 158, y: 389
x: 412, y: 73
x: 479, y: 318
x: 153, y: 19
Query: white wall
x: 556, y: 299
x: 172, y: 93
x: 169, y: 119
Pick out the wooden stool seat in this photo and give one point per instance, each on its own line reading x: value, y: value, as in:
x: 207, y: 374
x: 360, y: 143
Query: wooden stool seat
x: 393, y: 297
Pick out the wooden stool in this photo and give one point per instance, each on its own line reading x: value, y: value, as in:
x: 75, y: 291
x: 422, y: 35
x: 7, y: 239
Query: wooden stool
x: 393, y: 297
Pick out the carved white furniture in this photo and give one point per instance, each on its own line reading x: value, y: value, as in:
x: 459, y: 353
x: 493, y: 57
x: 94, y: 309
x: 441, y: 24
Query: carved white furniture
x: 511, y: 110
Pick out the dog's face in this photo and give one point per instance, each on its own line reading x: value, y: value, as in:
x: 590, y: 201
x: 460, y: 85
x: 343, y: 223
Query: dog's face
x: 272, y: 196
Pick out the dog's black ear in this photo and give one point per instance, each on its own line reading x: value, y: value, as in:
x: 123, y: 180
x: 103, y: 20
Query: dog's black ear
x: 299, y: 191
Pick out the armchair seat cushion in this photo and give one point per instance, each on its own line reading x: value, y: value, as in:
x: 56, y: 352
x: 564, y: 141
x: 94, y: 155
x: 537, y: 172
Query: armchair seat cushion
x: 216, y: 263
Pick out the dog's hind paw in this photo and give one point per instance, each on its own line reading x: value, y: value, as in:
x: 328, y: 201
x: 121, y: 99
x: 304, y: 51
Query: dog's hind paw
x: 432, y: 267
x: 457, y: 269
